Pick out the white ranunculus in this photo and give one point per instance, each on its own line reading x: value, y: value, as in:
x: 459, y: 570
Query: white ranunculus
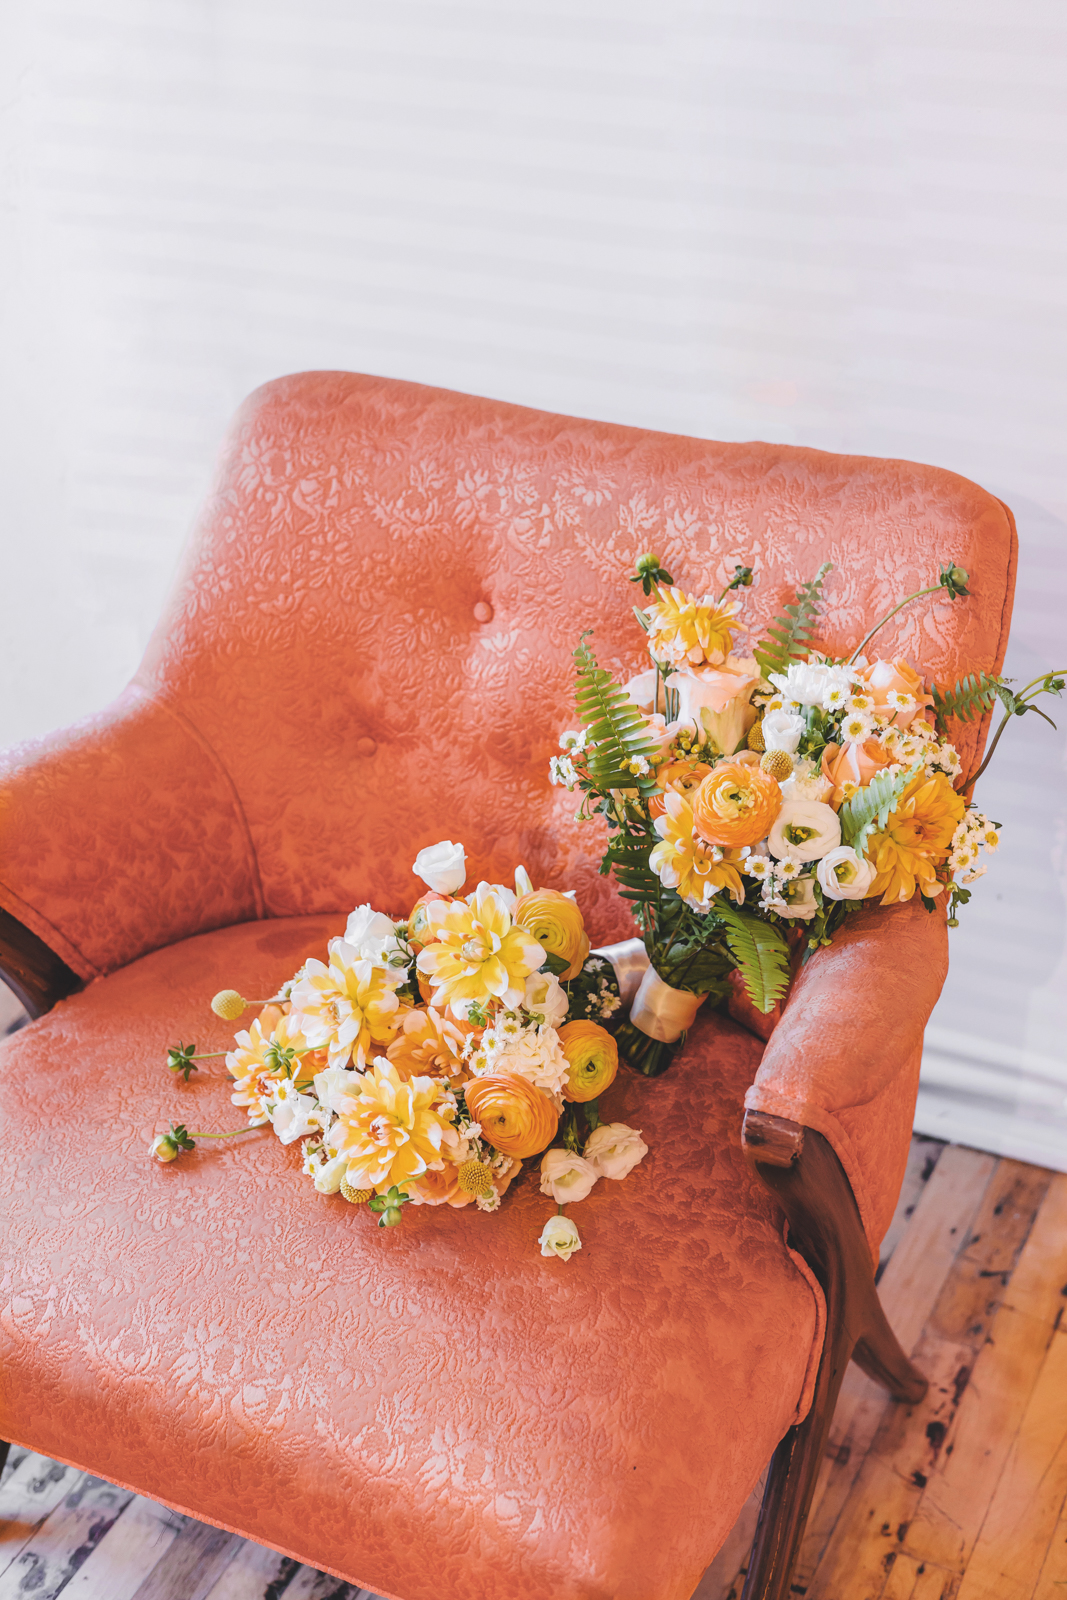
x: 806, y: 682
x: 801, y: 903
x: 614, y: 1149
x: 559, y: 1237
x: 782, y: 730
x: 566, y: 1176
x: 844, y: 875
x: 442, y: 866
x: 804, y: 830
x: 642, y: 689
x: 546, y: 995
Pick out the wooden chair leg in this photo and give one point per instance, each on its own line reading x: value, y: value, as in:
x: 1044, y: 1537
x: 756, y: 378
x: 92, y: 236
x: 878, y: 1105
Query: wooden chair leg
x: 800, y: 1167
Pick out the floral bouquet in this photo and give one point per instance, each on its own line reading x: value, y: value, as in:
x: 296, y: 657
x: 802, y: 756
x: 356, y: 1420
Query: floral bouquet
x: 425, y: 1060
x: 754, y: 800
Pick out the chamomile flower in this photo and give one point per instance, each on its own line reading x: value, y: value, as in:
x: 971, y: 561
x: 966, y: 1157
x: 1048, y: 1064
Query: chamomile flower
x: 836, y: 698
x: 856, y: 727
x: 991, y: 840
x: 899, y: 702
x: 508, y: 1026
x: 859, y: 702
x: 574, y: 740
x: 758, y: 867
x: 788, y: 868
x: 561, y: 771
x: 638, y: 766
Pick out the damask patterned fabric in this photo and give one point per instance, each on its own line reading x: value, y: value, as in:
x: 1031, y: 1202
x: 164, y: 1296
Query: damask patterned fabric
x: 369, y: 649
x: 429, y: 1411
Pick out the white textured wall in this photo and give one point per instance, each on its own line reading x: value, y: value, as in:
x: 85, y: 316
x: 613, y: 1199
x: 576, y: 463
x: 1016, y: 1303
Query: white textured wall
x: 827, y: 224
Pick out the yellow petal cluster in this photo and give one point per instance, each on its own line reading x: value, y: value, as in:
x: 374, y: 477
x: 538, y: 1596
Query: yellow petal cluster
x: 429, y: 1045
x: 347, y: 1008
x: 478, y: 954
x: 683, y: 631
x: 592, y: 1059
x: 916, y: 840
x: 556, y: 923
x: 682, y: 860
x: 391, y: 1130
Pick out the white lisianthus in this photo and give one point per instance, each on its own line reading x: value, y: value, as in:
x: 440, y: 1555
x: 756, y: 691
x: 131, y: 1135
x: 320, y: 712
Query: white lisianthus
x: 614, y: 1149
x: 804, y: 830
x: 844, y: 875
x: 781, y: 731
x: 326, y: 1171
x: 559, y: 1237
x: 566, y: 1176
x: 374, y: 936
x: 442, y: 867
x: 545, y: 995
x: 801, y: 903
x: 293, y: 1115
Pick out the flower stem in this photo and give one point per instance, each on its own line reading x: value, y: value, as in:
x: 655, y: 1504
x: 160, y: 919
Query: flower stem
x: 878, y: 625
x: 231, y: 1135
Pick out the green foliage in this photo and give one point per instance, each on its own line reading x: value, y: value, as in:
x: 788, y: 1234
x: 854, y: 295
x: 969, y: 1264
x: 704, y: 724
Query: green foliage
x: 618, y: 732
x: 650, y: 573
x: 870, y: 807
x: 970, y: 697
x: 789, y: 636
x: 761, y: 953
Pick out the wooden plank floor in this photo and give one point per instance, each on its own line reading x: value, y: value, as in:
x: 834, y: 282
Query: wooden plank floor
x: 961, y: 1498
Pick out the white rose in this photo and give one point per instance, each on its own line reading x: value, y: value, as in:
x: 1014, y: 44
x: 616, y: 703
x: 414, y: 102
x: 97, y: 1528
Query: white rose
x: 800, y: 899
x: 719, y: 698
x: 326, y: 1175
x: 566, y: 1176
x: 614, y: 1149
x: 545, y: 994
x: 333, y: 1084
x: 443, y: 866
x: 371, y: 933
x: 782, y: 730
x: 559, y: 1237
x: 804, y: 830
x: 844, y: 875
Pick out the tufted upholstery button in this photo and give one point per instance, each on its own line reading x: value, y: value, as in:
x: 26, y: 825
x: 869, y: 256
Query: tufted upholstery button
x: 483, y: 611
x: 366, y: 747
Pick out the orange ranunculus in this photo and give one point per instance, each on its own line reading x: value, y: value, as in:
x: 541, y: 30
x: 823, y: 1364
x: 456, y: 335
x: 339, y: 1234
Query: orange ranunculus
x: 592, y: 1059
x: 884, y: 678
x: 556, y: 923
x: 916, y: 840
x: 852, y: 763
x: 681, y: 776
x: 515, y: 1118
x: 736, y: 804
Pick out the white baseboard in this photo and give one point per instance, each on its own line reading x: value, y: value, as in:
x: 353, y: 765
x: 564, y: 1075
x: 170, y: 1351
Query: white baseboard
x: 996, y: 1097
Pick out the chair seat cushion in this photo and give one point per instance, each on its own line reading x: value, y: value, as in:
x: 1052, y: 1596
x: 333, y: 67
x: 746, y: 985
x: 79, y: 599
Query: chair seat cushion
x: 432, y: 1411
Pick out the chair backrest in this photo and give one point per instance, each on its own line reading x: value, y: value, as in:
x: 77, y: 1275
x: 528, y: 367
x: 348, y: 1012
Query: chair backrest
x: 370, y: 638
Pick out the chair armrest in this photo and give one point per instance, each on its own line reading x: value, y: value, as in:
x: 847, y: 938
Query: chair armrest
x: 844, y: 1059
x: 119, y: 835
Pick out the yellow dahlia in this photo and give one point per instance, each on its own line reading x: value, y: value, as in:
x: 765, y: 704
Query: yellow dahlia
x: 429, y: 1045
x: 478, y: 954
x: 916, y: 840
x: 348, y: 1007
x: 682, y: 860
x: 391, y: 1131
x: 251, y: 1071
x: 687, y: 632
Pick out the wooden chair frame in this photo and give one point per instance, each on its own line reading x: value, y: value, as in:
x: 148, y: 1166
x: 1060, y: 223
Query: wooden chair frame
x: 801, y: 1169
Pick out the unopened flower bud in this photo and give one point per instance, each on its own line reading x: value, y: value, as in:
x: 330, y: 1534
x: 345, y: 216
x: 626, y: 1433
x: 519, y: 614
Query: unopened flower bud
x: 164, y: 1148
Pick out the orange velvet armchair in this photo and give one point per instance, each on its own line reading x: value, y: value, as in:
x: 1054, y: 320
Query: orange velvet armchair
x: 369, y: 648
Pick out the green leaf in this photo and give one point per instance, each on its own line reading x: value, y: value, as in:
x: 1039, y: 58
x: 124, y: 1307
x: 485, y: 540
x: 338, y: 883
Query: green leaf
x: 970, y: 697
x: 789, y: 636
x: 871, y: 806
x: 761, y: 953
x: 618, y: 731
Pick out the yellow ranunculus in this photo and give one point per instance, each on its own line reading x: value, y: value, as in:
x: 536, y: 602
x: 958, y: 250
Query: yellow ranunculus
x: 391, y: 1131
x: 916, y: 840
x: 477, y: 953
x: 592, y: 1059
x: 515, y: 1118
x: 556, y: 923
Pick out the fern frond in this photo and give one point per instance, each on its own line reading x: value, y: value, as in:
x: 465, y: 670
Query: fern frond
x: 789, y: 636
x: 871, y: 806
x: 970, y: 697
x: 761, y: 953
x: 618, y: 732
